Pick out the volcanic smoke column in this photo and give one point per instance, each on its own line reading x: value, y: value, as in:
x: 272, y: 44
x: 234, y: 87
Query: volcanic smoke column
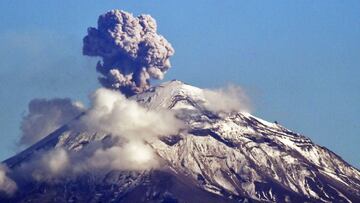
x: 132, y: 51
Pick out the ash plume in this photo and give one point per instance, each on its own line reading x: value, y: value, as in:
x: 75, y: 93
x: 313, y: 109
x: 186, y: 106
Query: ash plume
x: 131, y: 51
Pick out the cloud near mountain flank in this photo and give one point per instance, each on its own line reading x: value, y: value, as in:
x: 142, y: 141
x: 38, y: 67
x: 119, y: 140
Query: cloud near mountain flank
x: 44, y: 116
x: 7, y: 185
x: 131, y: 126
x: 228, y: 99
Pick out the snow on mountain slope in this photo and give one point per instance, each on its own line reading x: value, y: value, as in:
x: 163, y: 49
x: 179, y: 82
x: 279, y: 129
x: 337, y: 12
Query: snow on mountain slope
x: 223, y: 157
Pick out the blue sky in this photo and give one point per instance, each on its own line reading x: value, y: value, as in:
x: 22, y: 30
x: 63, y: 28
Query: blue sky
x: 298, y: 60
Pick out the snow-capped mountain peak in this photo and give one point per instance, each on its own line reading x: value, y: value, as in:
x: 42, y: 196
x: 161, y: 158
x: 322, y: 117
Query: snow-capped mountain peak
x: 222, y: 156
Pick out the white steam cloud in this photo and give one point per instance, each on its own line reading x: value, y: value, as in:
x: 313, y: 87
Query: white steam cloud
x: 229, y: 99
x: 133, y: 125
x: 132, y: 51
x: 112, y: 113
x: 7, y: 185
x: 131, y: 156
x: 46, y: 165
x: 132, y: 128
x: 45, y: 116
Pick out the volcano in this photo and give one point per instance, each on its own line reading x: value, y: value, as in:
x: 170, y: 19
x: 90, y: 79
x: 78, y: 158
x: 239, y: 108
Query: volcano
x: 222, y: 157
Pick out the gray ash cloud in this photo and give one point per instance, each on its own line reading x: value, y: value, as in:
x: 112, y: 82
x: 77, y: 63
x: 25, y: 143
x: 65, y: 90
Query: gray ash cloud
x: 131, y: 51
